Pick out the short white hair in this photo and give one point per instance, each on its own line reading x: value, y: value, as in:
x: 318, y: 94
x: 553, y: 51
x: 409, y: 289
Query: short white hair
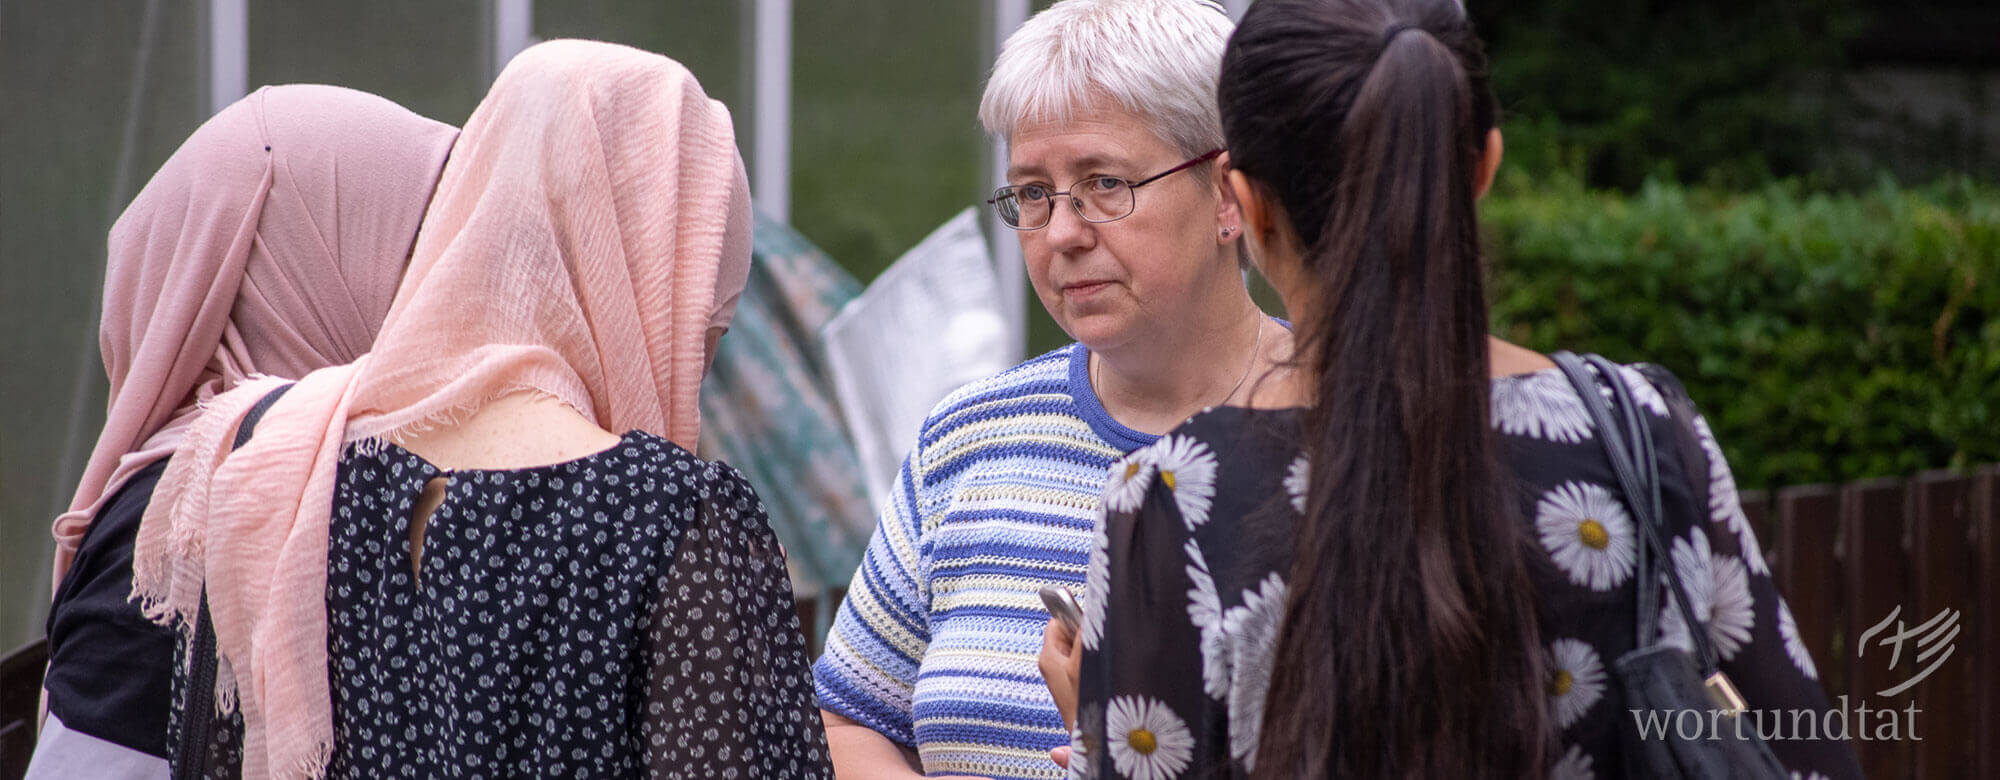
x: 1158, y: 59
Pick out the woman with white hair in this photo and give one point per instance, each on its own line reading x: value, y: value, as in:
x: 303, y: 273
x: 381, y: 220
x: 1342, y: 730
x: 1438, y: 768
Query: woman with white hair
x: 1115, y: 186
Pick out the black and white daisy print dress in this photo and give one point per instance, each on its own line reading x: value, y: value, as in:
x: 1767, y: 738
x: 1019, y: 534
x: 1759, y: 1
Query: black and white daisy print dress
x: 626, y: 614
x: 1187, y: 583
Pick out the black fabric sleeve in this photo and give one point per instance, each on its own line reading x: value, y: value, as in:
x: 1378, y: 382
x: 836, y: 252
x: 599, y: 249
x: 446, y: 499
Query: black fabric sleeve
x: 109, y: 667
x: 728, y: 692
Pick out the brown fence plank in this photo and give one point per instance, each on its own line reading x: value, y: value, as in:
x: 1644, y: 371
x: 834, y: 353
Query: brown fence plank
x: 1940, y: 536
x: 1805, y: 564
x: 1876, y: 570
x: 1984, y: 657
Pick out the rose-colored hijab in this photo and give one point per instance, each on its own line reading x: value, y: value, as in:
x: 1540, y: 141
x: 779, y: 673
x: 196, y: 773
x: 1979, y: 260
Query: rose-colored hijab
x: 271, y: 242
x: 592, y: 223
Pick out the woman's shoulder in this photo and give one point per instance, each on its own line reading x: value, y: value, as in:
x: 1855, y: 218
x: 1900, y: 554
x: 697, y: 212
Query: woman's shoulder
x: 1045, y: 373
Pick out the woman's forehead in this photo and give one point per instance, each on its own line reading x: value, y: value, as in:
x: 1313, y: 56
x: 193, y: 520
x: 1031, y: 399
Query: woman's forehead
x: 1085, y: 139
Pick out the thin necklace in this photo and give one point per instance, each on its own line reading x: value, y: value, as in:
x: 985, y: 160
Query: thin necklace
x: 1255, y: 348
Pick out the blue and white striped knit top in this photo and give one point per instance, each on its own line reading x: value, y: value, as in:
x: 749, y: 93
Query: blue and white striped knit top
x: 935, y: 645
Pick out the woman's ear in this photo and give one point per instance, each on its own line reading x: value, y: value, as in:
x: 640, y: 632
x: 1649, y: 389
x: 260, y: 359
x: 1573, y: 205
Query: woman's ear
x: 1256, y: 215
x: 1489, y: 163
x: 1228, y: 207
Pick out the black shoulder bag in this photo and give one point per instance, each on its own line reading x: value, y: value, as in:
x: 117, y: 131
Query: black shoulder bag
x: 191, y: 747
x: 1657, y: 677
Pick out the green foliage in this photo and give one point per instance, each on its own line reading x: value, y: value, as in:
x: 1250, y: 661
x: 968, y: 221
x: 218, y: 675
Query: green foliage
x: 1826, y: 337
x: 1701, y: 90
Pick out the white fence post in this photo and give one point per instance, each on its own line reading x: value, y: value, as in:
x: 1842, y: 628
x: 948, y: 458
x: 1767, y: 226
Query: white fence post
x: 771, y: 109
x: 513, y: 29
x: 228, y: 52
x: 1007, y: 16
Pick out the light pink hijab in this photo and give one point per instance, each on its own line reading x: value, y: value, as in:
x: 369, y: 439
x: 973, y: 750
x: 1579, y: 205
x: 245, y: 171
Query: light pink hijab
x: 574, y: 248
x: 270, y: 243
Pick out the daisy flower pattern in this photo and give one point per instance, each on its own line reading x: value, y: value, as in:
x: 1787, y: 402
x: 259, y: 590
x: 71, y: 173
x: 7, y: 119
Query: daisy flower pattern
x: 1718, y: 589
x: 1205, y: 613
x: 1096, y: 587
x: 1588, y: 533
x: 1724, y: 505
x: 1788, y: 629
x: 1574, y: 765
x: 1146, y: 739
x: 1297, y: 478
x: 1187, y: 467
x: 1252, y: 631
x: 1577, y: 680
x: 1540, y: 405
x: 1130, y: 476
x: 1643, y: 391
x: 1233, y: 554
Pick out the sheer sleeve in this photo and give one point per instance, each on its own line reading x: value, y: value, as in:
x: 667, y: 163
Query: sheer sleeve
x: 1154, y: 681
x: 728, y: 693
x: 1755, y: 636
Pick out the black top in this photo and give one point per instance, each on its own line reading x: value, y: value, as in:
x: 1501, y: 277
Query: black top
x: 623, y: 614
x: 108, y: 665
x: 1187, y: 583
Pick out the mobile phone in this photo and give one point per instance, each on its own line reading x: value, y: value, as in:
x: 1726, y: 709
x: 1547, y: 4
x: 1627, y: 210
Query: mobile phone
x: 1063, y: 605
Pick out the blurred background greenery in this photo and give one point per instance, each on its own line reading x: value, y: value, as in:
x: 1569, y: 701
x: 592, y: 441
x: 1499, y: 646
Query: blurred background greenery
x: 1790, y: 205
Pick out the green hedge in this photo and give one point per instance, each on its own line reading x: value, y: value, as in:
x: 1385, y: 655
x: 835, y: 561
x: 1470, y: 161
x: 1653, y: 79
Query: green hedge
x: 1826, y: 337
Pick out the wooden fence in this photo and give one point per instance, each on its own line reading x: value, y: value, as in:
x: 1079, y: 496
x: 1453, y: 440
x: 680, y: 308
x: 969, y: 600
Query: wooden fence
x: 1923, y: 548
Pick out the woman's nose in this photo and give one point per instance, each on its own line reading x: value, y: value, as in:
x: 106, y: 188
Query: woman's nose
x: 1067, y: 229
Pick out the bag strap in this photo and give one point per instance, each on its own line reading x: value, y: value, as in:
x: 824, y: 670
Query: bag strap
x: 1629, y: 445
x: 199, y: 715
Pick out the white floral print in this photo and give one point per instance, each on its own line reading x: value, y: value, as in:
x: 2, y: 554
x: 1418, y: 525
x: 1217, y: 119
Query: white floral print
x: 1146, y: 739
x: 1205, y: 613
x: 1252, y: 631
x: 1096, y: 587
x: 1297, y: 479
x: 1187, y: 467
x: 1795, y: 646
x: 1541, y: 405
x: 1588, y: 533
x: 1130, y: 476
x: 1578, y: 680
x: 1718, y: 589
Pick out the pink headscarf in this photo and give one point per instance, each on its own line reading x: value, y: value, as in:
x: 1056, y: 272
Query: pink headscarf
x: 573, y: 249
x: 270, y: 243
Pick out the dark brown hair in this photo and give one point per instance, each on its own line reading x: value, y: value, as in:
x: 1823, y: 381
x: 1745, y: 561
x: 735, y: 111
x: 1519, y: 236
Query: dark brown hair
x: 1410, y: 644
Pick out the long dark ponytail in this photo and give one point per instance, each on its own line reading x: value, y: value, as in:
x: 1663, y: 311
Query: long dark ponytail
x: 1410, y: 645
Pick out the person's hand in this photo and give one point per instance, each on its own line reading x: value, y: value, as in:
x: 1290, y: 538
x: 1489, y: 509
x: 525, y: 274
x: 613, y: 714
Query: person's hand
x: 1060, y: 755
x: 1061, y: 662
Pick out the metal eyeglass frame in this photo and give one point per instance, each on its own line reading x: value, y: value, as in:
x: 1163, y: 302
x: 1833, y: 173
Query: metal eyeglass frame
x: 1076, y: 203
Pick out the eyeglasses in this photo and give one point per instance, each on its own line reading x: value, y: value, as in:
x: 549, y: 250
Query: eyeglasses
x: 1096, y: 199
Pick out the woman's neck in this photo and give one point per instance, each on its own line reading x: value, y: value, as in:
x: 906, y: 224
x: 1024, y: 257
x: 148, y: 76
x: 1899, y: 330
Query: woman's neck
x: 515, y: 431
x: 1156, y: 383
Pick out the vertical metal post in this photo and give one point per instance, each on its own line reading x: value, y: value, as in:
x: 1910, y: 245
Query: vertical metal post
x: 513, y: 29
x: 771, y: 109
x: 228, y: 52
x: 1007, y: 16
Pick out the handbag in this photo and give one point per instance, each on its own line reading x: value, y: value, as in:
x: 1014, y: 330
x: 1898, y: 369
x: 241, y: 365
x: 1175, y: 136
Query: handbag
x: 1656, y: 677
x: 195, y: 748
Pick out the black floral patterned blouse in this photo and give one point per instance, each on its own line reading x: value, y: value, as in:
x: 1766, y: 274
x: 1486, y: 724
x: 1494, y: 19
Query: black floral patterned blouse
x: 1187, y: 583
x: 625, y: 614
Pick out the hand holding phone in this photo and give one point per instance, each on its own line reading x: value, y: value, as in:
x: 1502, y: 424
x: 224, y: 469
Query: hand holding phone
x: 1063, y: 605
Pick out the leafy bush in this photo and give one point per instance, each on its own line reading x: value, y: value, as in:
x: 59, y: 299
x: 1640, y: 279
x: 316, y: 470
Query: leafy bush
x: 1704, y: 90
x: 1826, y: 337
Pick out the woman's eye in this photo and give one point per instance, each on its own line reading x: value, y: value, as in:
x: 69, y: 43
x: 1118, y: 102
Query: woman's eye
x: 1032, y: 193
x: 1107, y: 184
